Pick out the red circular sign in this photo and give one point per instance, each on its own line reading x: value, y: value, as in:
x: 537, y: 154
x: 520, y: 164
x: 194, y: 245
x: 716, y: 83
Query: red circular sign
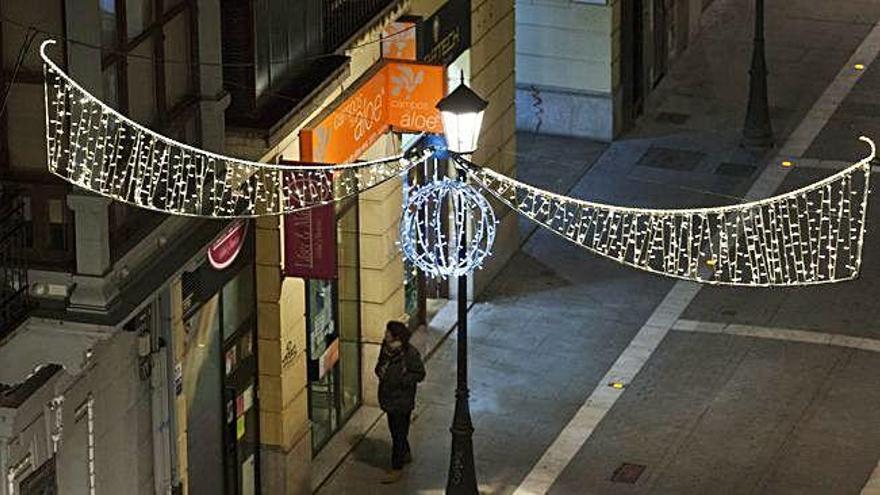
x: 223, y: 251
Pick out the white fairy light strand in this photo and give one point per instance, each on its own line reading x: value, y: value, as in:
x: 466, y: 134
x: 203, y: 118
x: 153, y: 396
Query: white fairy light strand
x: 458, y: 251
x: 813, y: 235
x: 95, y: 147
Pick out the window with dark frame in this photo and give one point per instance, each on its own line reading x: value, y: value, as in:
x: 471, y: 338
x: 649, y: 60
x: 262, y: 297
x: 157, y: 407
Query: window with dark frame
x: 42, y: 481
x: 48, y: 222
x: 48, y: 225
x: 140, y: 82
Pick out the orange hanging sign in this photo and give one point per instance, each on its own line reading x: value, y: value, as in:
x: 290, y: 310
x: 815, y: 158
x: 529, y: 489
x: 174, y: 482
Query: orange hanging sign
x: 350, y: 129
x: 413, y: 93
x: 400, y: 95
x: 399, y: 40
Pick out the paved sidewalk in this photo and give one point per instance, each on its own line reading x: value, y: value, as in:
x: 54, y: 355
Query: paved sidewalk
x: 710, y: 413
x: 773, y: 408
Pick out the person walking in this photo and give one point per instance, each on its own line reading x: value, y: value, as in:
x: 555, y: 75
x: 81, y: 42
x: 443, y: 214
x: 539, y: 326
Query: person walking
x: 399, y: 369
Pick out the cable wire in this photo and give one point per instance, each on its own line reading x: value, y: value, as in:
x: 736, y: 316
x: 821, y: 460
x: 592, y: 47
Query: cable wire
x: 22, y: 52
x: 59, y: 36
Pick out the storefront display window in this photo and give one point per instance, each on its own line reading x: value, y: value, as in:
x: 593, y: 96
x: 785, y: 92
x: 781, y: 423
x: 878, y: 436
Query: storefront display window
x: 239, y: 296
x: 218, y: 375
x: 414, y: 283
x: 334, y: 334
x: 201, y: 379
x: 323, y: 396
x: 349, y: 308
x: 239, y: 383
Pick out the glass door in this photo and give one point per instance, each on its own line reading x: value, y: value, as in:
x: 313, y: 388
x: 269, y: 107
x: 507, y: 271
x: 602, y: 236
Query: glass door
x: 202, y: 380
x: 348, y: 307
x: 218, y: 377
x: 333, y: 324
x: 241, y: 430
x: 323, y: 342
x: 415, y: 284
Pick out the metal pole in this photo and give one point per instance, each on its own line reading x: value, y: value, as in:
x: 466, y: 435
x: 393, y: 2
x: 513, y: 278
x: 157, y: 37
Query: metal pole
x: 462, y: 477
x: 757, y: 130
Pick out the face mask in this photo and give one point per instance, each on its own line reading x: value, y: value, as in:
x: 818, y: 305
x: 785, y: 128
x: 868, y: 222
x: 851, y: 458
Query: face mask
x: 394, y: 344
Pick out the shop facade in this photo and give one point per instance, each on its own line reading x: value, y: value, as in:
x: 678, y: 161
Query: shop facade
x: 214, y: 372
x: 333, y: 321
x: 329, y: 279
x: 347, y: 305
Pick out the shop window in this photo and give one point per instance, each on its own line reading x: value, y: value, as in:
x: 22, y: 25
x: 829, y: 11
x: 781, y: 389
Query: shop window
x: 347, y: 235
x: 323, y: 350
x: 411, y: 292
x: 238, y: 296
x: 333, y: 326
x: 201, y: 384
x: 219, y: 380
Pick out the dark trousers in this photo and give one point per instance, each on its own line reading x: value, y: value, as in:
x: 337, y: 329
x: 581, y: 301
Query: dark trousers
x: 398, y: 423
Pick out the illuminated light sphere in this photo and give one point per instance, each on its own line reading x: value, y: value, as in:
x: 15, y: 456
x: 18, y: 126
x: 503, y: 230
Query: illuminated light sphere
x: 454, y: 251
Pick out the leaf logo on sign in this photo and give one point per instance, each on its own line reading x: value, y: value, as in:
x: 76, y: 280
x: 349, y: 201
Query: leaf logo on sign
x: 407, y: 81
x: 397, y: 47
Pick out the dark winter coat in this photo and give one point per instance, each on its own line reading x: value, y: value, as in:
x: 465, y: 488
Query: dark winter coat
x: 399, y: 371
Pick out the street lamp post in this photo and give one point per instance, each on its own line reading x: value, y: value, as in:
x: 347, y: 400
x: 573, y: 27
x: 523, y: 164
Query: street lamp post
x: 462, y: 114
x: 757, y: 130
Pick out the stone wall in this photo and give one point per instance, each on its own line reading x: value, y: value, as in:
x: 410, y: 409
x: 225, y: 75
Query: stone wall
x: 569, y: 79
x: 567, y: 54
x: 120, y: 422
x: 492, y: 60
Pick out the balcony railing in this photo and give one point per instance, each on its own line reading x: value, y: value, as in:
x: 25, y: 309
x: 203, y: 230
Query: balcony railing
x: 344, y: 18
x: 13, y: 267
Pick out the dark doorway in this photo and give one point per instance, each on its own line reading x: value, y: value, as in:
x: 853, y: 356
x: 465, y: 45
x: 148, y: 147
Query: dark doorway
x: 42, y: 481
x: 662, y: 17
x: 633, y: 73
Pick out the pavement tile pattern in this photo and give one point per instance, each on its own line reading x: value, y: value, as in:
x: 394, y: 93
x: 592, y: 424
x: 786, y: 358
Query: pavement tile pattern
x: 709, y: 412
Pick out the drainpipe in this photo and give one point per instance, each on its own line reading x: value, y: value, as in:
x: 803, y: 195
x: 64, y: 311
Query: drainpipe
x: 164, y: 477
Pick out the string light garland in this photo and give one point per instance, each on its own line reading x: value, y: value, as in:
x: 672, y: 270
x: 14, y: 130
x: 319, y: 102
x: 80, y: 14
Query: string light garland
x: 94, y: 147
x: 441, y: 252
x: 812, y: 235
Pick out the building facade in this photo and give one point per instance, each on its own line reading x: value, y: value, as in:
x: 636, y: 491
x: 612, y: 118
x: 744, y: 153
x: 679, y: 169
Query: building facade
x: 585, y: 68
x: 141, y: 353
x: 319, y: 334
x: 85, y: 356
